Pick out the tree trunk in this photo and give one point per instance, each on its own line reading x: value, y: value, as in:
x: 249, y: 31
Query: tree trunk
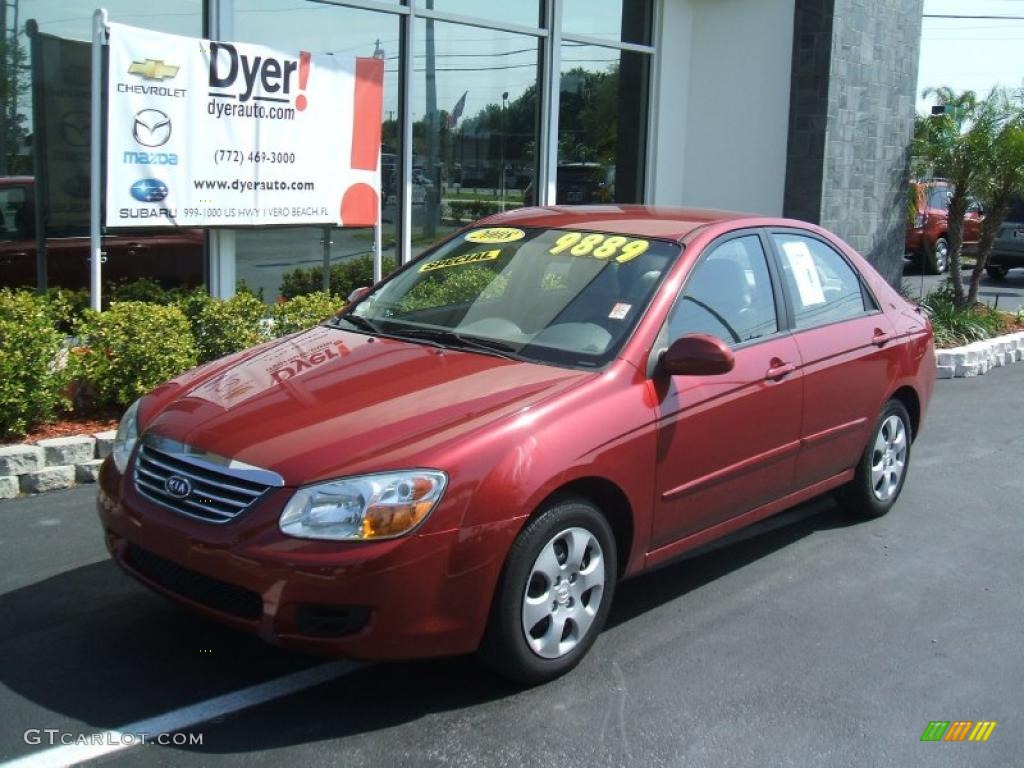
x: 989, y: 228
x: 955, y: 232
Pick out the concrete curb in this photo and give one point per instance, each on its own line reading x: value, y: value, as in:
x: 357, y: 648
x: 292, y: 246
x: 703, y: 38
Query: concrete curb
x: 980, y: 357
x: 52, y: 464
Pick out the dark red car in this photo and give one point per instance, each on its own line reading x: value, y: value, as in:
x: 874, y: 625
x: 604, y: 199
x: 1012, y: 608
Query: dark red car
x: 172, y: 257
x: 475, y: 452
x: 927, y: 237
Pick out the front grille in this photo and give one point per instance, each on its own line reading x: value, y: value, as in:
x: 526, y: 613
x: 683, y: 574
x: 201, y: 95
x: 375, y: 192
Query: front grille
x: 192, y: 487
x: 212, y: 593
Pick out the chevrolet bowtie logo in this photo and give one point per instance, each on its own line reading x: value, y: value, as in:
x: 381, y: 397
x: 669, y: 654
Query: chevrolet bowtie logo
x: 153, y: 69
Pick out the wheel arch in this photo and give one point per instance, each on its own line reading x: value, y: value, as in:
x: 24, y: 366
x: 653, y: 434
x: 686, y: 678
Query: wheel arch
x: 912, y: 402
x: 611, y: 501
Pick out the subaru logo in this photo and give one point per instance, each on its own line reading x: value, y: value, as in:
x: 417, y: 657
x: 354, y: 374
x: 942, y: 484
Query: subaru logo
x: 177, y: 486
x: 149, y: 190
x: 152, y: 128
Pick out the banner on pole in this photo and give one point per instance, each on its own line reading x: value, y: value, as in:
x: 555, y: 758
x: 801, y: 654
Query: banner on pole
x: 211, y: 134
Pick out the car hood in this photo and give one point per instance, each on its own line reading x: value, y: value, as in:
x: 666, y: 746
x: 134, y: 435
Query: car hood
x: 328, y: 402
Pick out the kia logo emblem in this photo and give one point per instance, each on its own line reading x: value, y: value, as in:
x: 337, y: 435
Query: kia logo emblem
x: 177, y: 486
x: 152, y: 128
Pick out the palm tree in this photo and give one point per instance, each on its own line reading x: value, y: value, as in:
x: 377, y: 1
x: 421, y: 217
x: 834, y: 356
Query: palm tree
x: 958, y: 143
x: 1001, y: 180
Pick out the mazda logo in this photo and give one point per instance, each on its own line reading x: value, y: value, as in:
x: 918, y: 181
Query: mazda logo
x: 177, y: 486
x: 152, y: 128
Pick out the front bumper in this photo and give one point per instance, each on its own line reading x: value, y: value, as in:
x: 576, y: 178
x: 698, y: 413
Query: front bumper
x: 392, y: 599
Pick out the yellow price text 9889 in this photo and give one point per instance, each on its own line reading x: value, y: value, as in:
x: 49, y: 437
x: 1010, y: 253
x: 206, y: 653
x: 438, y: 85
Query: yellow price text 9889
x: 598, y: 246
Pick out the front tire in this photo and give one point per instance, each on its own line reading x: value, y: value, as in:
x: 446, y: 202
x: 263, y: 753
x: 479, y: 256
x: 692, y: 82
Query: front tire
x: 554, y: 594
x: 883, y: 466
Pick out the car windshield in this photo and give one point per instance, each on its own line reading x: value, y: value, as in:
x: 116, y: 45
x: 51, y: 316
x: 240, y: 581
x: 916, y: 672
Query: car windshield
x: 564, y: 297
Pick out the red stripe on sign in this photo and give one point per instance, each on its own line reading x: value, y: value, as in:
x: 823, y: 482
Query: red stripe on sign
x: 359, y: 206
x: 366, y: 113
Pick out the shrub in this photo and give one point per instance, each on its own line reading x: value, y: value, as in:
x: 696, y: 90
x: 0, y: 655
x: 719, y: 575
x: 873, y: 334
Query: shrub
x: 304, y: 312
x: 954, y: 326
x: 346, y: 276
x: 131, y: 348
x: 32, y: 374
x: 67, y: 306
x: 142, y: 289
x: 454, y: 287
x: 223, y: 327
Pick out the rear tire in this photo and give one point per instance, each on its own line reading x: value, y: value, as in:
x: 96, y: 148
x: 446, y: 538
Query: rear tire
x: 883, y: 466
x: 997, y: 272
x: 554, y: 594
x: 936, y: 261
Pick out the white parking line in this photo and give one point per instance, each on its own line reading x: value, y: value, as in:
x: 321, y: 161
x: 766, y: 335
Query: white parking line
x: 107, y: 742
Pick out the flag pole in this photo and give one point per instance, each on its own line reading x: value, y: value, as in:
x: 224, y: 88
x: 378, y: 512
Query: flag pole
x: 99, y: 39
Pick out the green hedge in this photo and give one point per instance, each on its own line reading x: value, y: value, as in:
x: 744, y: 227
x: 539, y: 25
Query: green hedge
x: 346, y: 276
x: 304, y: 312
x: 33, y: 375
x: 223, y: 327
x: 130, y: 349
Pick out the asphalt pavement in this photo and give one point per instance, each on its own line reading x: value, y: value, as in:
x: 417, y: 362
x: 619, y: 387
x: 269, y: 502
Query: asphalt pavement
x: 1006, y: 294
x: 811, y: 640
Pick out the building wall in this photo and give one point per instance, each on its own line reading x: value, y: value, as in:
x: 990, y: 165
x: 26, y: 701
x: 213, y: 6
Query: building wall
x: 853, y: 121
x: 723, y: 95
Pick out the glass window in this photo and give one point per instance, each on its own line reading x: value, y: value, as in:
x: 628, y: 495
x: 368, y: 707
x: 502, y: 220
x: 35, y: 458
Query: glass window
x: 729, y: 295
x: 601, y: 125
x: 15, y: 214
x: 524, y: 12
x: 474, y: 117
x: 938, y: 197
x: 555, y: 296
x: 627, y: 21
x: 823, y: 287
x: 283, y: 262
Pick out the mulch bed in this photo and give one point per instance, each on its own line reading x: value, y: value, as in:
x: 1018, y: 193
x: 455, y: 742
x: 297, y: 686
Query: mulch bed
x: 67, y: 428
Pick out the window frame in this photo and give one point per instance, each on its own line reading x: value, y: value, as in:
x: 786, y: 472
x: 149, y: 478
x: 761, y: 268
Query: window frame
x: 871, y: 305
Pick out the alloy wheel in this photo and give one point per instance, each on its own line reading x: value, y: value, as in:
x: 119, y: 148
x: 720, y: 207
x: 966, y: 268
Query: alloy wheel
x: 563, y: 593
x: 889, y: 458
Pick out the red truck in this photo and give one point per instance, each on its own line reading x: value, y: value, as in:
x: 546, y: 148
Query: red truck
x: 927, y: 241
x: 170, y: 257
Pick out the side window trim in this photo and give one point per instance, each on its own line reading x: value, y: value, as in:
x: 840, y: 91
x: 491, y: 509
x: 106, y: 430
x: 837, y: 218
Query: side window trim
x: 871, y: 303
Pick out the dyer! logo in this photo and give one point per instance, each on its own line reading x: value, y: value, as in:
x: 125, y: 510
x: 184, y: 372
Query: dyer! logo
x: 152, y: 128
x: 235, y: 75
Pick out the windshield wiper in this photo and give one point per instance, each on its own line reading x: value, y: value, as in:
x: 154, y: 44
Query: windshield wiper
x: 455, y: 339
x: 358, y: 322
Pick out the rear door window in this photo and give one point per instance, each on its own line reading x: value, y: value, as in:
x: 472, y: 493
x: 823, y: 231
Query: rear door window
x: 822, y: 286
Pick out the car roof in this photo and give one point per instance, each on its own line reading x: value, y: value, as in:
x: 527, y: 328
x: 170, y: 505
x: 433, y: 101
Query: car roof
x: 646, y: 220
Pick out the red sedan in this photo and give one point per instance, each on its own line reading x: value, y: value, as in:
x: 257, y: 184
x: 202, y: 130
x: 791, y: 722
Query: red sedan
x: 475, y: 452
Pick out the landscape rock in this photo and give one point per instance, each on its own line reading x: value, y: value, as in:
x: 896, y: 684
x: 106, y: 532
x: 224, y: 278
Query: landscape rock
x: 19, y: 459
x: 61, y: 451
x: 47, y: 479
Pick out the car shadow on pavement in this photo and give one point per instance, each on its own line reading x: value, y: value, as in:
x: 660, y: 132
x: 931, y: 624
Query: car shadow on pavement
x: 98, y: 648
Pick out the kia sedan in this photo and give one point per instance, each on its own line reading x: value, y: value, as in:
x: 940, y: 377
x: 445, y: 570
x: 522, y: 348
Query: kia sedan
x: 473, y: 453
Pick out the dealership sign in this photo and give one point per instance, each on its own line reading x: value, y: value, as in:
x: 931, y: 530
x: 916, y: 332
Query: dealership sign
x: 213, y: 134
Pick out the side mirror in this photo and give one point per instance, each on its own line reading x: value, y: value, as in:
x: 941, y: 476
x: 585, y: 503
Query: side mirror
x: 358, y: 293
x: 697, y: 354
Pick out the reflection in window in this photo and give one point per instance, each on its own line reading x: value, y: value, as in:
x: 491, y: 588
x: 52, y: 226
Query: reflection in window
x: 523, y: 12
x: 601, y: 125
x: 474, y: 113
x: 627, y: 21
x: 285, y: 262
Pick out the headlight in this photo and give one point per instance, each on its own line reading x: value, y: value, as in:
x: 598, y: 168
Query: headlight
x: 127, y: 436
x: 364, y: 507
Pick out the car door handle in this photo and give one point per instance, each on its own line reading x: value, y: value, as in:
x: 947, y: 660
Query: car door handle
x: 778, y: 370
x: 881, y: 338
